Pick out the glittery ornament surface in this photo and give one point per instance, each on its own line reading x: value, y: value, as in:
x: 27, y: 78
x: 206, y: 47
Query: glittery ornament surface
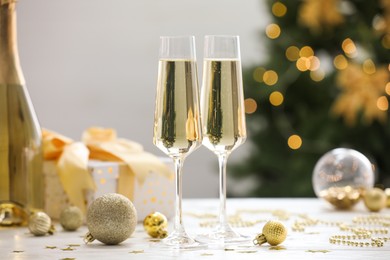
x: 71, y: 218
x: 341, y: 175
x: 111, y: 218
x: 274, y: 233
x: 387, y: 192
x: 375, y: 199
x: 155, y: 224
x: 39, y: 223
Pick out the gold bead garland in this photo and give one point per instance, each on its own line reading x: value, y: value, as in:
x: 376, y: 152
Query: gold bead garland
x: 349, y: 240
x: 364, y: 229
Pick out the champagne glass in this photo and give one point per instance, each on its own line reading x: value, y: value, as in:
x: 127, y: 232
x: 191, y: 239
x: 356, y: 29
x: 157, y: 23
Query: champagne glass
x: 223, y: 116
x: 177, y: 129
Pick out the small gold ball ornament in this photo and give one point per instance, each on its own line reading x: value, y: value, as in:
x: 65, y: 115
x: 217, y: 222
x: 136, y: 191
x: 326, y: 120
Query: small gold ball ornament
x: 375, y: 199
x: 274, y: 233
x: 111, y: 219
x: 155, y: 224
x: 39, y: 224
x: 71, y: 218
x: 387, y: 192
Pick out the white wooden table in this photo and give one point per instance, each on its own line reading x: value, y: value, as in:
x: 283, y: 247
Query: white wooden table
x: 312, y: 243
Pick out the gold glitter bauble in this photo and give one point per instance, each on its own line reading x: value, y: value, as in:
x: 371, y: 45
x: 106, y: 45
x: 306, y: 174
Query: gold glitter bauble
x: 71, y: 218
x: 375, y: 199
x: 387, y: 192
x: 39, y: 223
x: 274, y: 233
x: 111, y: 219
x: 155, y: 224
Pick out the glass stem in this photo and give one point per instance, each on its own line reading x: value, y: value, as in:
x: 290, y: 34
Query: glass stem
x: 178, y: 225
x: 222, y: 160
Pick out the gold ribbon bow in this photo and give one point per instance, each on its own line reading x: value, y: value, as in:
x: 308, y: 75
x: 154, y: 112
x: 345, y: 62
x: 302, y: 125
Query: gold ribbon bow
x: 100, y: 144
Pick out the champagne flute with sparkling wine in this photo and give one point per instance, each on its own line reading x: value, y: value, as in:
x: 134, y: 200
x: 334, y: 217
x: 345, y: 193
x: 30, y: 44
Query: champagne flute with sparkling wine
x: 177, y: 128
x: 223, y: 116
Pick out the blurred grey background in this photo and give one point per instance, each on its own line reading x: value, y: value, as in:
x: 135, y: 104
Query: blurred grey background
x: 94, y: 63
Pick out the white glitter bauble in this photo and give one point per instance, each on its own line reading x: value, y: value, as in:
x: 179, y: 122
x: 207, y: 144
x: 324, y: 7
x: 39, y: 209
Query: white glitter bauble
x: 71, y: 218
x: 111, y: 219
x: 341, y: 176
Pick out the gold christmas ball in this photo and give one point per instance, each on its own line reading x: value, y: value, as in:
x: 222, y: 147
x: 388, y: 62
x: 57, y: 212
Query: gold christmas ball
x: 155, y: 224
x: 387, y: 192
x: 111, y: 219
x: 39, y: 223
x: 274, y: 233
x: 375, y: 199
x: 71, y: 218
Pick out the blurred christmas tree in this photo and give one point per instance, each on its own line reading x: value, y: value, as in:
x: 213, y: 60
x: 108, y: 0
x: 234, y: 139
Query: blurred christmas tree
x: 325, y: 85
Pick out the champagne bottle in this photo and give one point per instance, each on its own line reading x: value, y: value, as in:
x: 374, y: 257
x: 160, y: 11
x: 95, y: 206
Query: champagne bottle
x: 21, y: 180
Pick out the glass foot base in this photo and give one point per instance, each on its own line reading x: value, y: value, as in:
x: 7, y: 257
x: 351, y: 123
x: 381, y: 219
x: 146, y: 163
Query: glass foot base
x: 181, y: 240
x: 223, y: 235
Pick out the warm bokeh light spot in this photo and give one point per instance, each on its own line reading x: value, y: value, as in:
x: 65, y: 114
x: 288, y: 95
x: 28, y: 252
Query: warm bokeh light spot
x: 306, y: 51
x: 279, y: 9
x: 386, y: 41
x: 303, y: 64
x: 314, y: 63
x: 317, y: 75
x: 258, y: 74
x: 340, y: 62
x: 272, y: 31
x: 369, y: 66
x: 294, y: 142
x: 382, y: 103
x: 250, y: 105
x: 388, y: 88
x: 292, y: 53
x: 270, y: 77
x: 349, y: 47
x: 276, y: 98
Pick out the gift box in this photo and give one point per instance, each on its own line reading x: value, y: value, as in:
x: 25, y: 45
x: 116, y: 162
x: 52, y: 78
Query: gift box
x: 154, y: 193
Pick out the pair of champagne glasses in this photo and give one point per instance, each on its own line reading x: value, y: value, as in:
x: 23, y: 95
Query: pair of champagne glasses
x: 180, y: 126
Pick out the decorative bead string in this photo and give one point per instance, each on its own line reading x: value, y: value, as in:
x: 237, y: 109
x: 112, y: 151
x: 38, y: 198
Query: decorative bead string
x: 362, y: 227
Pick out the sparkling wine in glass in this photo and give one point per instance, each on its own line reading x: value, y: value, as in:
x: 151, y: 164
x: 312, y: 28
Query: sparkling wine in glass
x: 177, y: 127
x: 223, y: 116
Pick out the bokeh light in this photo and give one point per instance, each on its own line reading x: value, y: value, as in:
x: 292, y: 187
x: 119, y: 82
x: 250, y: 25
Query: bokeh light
x: 388, y: 88
x: 386, y: 41
x: 258, y: 74
x: 276, y: 98
x: 314, y: 63
x: 317, y: 75
x: 250, y: 105
x: 349, y: 47
x: 382, y: 103
x: 306, y: 51
x: 292, y: 53
x: 270, y: 77
x: 279, y: 9
x: 303, y: 64
x: 369, y: 66
x: 294, y: 142
x: 272, y: 31
x: 340, y: 62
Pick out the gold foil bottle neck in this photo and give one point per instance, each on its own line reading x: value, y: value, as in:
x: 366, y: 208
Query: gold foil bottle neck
x: 4, y: 2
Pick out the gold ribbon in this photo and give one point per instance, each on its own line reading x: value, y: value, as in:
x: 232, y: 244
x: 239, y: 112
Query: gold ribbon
x: 100, y: 144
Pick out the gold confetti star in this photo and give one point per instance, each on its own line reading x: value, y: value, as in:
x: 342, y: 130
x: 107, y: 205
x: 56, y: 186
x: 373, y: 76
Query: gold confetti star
x: 67, y: 249
x: 136, y: 252
x: 318, y: 251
